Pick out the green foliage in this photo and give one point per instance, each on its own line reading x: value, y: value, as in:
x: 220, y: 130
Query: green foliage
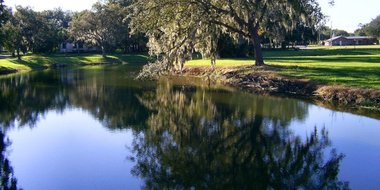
x: 39, y: 32
x: 326, y: 32
x: 200, y: 139
x: 3, y: 13
x: 59, y: 21
x: 38, y: 62
x: 229, y: 47
x: 371, y: 29
x: 176, y: 28
x: 8, y: 180
x: 340, y: 33
x: 153, y: 71
x: 300, y: 35
x: 13, y: 36
x: 4, y: 17
x: 103, y: 27
x: 115, y: 107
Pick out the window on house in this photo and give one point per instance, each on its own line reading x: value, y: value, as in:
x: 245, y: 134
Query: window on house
x: 64, y: 45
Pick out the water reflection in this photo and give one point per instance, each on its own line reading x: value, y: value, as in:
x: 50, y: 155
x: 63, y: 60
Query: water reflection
x: 185, y: 137
x: 8, y: 180
x: 191, y: 143
x: 27, y: 98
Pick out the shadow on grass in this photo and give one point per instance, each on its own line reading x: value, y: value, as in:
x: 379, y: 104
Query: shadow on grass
x: 5, y: 70
x: 321, y: 52
x: 352, y: 76
x: 37, y: 62
x: 360, y: 59
x: 134, y: 59
x: 29, y: 64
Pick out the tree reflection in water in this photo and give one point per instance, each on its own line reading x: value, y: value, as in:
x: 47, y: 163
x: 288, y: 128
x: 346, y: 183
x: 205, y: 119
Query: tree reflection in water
x: 186, y: 137
x: 26, y: 98
x: 191, y: 143
x: 8, y: 181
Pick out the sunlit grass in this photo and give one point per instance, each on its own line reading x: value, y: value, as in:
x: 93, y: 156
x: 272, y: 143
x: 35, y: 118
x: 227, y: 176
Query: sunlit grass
x: 352, y: 66
x: 329, y: 65
x: 31, y: 62
x: 220, y: 62
x: 10, y: 63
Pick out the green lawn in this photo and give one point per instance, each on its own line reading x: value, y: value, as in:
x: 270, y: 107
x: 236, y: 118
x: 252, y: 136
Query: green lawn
x: 359, y: 66
x: 32, y: 62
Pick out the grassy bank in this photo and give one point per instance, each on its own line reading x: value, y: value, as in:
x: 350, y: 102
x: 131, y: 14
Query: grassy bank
x: 38, y: 62
x: 341, y: 75
x: 348, y: 66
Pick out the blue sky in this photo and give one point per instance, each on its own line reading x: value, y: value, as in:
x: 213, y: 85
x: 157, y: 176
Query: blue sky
x: 346, y: 14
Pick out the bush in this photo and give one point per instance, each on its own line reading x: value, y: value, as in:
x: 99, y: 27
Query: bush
x: 153, y: 71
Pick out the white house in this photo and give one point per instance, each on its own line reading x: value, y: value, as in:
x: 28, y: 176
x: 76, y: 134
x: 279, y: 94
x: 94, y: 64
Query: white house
x: 68, y: 47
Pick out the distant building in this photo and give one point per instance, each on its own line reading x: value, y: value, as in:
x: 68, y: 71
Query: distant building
x: 68, y: 47
x: 351, y: 40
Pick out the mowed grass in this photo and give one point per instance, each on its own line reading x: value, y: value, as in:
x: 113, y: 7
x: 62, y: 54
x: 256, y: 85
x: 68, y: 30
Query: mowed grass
x: 7, y: 63
x: 350, y: 66
x: 34, y: 62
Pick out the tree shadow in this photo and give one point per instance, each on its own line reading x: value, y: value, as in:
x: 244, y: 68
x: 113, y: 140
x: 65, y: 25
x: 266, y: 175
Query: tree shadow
x: 345, y: 59
x: 353, y: 76
x: 321, y: 52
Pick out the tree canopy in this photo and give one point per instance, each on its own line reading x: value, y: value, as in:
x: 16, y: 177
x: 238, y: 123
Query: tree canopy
x: 39, y: 32
x: 370, y: 29
x: 174, y: 27
x: 103, y: 26
x: 13, y: 38
x: 3, y: 15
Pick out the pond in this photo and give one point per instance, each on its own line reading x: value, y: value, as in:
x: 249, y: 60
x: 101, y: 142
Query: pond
x: 97, y: 128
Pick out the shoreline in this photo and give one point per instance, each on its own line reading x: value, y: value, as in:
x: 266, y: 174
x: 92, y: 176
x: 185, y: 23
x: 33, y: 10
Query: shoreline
x: 262, y: 81
x: 7, y: 71
x: 42, y: 62
x: 4, y: 71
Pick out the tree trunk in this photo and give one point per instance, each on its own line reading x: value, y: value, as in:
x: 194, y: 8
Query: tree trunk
x: 259, y: 61
x: 18, y: 54
x: 103, y: 52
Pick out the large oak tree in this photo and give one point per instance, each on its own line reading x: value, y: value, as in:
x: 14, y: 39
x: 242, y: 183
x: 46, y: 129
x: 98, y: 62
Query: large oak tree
x: 13, y: 39
x: 3, y: 14
x: 372, y: 28
x: 101, y: 27
x: 238, y: 18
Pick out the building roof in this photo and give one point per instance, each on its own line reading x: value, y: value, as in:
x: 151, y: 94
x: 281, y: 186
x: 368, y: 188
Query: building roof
x: 350, y: 38
x: 334, y: 38
x: 359, y: 37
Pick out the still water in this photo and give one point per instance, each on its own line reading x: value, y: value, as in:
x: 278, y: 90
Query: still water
x: 97, y: 128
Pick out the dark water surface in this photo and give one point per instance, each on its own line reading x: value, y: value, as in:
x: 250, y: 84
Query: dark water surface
x: 100, y: 129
